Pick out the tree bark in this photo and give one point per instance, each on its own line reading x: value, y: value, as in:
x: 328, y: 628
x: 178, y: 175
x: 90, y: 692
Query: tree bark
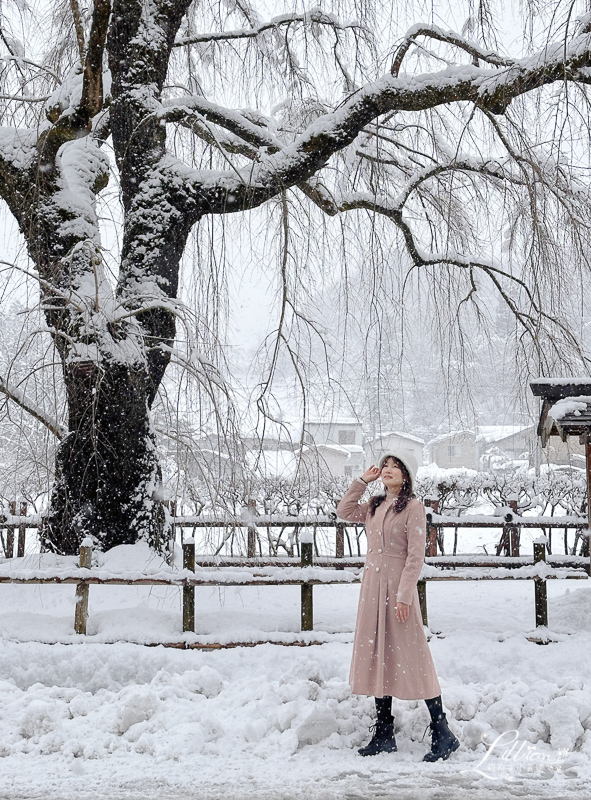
x: 108, y: 478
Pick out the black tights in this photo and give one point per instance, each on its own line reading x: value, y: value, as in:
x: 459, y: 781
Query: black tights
x: 384, y: 708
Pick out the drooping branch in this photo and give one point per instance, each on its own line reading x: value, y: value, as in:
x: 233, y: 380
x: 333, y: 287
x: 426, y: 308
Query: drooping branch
x: 420, y: 259
x: 31, y: 408
x: 299, y: 160
x: 19, y: 60
x: 315, y: 15
x: 449, y: 37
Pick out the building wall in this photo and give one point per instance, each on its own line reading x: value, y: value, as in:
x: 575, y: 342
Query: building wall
x: 339, y: 433
x: 528, y: 442
x: 559, y: 452
x: 454, y: 451
x: 324, y: 461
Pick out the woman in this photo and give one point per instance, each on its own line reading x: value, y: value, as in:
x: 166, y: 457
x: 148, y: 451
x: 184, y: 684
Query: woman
x: 390, y: 652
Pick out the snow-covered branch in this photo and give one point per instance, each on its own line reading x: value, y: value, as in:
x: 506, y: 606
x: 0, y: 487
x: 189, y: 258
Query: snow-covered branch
x: 330, y: 133
x: 314, y: 16
x: 449, y: 37
x: 233, y: 121
x: 31, y: 408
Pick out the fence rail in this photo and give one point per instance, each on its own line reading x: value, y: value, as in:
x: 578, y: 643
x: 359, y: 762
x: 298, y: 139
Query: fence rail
x: 310, y: 567
x: 13, y: 529
x: 311, y: 573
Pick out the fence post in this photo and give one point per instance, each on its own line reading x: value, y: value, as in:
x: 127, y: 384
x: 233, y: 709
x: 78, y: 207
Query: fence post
x: 22, y: 532
x: 82, y: 589
x: 252, y: 531
x: 10, y: 532
x: 172, y: 536
x: 422, y: 590
x: 541, y: 594
x: 340, y: 543
x: 189, y: 591
x: 431, y: 543
x: 508, y: 541
x: 307, y: 610
x: 514, y: 535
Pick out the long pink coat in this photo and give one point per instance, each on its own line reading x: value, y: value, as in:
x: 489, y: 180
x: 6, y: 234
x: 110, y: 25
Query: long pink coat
x: 390, y: 657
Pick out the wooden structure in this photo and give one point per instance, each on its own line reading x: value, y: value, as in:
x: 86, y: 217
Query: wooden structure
x: 314, y: 572
x: 566, y: 411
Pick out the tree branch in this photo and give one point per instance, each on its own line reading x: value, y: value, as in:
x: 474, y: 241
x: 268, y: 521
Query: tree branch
x: 77, y: 16
x: 299, y: 160
x: 19, y: 398
x: 527, y: 320
x: 315, y: 15
x: 449, y: 37
x: 92, y: 86
x: 176, y: 110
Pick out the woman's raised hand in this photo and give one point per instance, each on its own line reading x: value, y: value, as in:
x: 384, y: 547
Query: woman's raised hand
x: 371, y: 474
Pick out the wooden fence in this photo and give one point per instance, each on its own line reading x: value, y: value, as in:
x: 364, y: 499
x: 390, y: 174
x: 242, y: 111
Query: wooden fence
x: 250, y: 534
x: 325, y: 570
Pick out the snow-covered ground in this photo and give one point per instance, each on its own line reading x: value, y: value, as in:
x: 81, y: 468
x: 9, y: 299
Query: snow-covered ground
x: 85, y: 718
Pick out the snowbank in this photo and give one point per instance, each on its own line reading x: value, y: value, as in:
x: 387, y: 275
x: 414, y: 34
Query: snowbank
x: 84, y: 718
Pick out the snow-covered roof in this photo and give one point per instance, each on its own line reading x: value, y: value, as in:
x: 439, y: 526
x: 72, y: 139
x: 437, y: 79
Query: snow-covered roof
x: 336, y: 448
x: 352, y: 448
x: 563, y: 381
x: 574, y: 406
x: 494, y: 433
x: 273, y: 463
x: 334, y: 422
x: 442, y: 437
x: 388, y: 434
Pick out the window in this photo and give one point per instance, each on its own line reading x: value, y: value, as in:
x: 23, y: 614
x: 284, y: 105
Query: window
x: 348, y: 472
x: 454, y: 450
x: 346, y: 437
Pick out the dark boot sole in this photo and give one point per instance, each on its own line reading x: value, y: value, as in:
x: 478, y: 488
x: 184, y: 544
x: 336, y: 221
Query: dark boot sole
x: 431, y: 757
x: 375, y: 752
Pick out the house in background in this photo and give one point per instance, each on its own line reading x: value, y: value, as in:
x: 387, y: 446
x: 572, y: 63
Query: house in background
x: 454, y: 450
x: 393, y: 442
x: 323, y: 461
x: 342, y: 435
x: 502, y: 445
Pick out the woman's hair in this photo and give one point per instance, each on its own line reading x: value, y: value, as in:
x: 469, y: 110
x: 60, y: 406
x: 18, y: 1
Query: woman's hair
x: 404, y: 495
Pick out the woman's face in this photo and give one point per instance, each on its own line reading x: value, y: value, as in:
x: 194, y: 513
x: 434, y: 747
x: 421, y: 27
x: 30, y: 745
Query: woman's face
x: 392, y: 476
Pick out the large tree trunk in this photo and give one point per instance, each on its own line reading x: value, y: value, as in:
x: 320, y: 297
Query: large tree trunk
x: 108, y: 480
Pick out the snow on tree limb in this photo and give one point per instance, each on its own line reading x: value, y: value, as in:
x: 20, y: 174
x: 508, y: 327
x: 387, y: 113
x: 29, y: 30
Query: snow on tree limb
x: 314, y: 15
x: 449, y: 37
x: 31, y: 408
x: 231, y: 120
x: 311, y: 150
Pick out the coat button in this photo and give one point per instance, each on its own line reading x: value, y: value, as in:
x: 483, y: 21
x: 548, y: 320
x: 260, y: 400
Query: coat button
x: 370, y: 550
x: 377, y: 569
x: 380, y: 550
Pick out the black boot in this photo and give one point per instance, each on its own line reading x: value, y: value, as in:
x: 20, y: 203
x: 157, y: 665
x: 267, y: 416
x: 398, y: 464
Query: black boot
x: 443, y: 742
x: 383, y: 740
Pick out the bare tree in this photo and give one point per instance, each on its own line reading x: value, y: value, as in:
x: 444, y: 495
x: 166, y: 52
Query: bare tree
x: 421, y: 143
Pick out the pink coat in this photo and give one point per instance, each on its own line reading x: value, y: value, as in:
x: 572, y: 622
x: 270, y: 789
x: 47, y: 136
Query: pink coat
x: 390, y: 657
